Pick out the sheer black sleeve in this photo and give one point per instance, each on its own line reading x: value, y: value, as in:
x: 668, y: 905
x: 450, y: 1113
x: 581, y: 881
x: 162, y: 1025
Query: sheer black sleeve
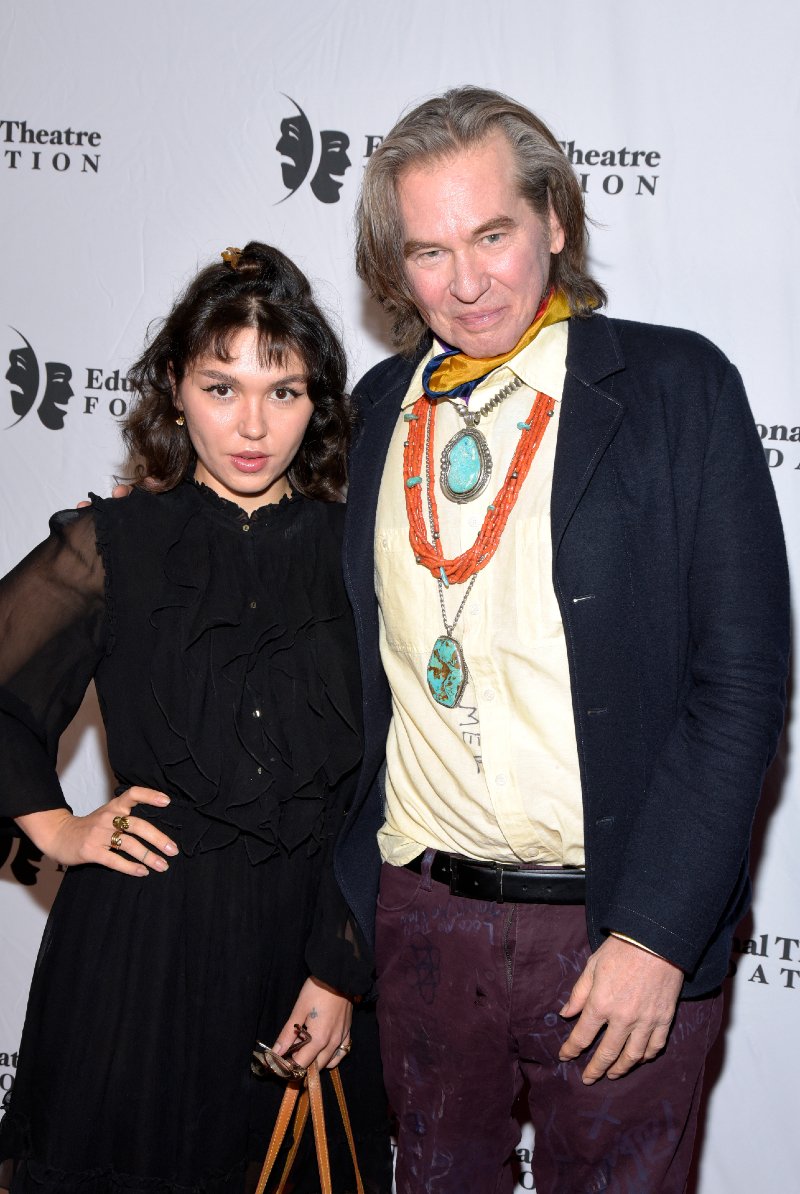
x: 53, y: 634
x: 336, y: 952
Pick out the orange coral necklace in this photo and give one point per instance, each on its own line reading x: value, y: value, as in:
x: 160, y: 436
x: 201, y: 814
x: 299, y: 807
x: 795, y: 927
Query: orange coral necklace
x: 447, y: 670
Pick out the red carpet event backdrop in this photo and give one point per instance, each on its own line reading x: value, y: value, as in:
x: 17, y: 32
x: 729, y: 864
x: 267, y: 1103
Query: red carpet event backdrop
x: 137, y: 141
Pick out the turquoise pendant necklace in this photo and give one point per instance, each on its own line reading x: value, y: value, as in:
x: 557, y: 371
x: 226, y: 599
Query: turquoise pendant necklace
x: 447, y: 668
x: 466, y: 462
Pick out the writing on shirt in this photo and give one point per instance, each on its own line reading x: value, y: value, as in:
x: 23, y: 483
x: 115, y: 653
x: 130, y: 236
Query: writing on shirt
x: 470, y: 728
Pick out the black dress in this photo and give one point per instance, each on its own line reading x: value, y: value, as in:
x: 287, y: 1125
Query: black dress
x: 224, y: 657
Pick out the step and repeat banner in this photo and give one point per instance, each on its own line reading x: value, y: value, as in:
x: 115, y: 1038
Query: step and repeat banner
x: 137, y: 141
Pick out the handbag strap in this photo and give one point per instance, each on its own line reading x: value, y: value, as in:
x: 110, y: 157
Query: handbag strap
x: 337, y: 1086
x: 285, y: 1113
x: 320, y: 1135
x: 295, y: 1100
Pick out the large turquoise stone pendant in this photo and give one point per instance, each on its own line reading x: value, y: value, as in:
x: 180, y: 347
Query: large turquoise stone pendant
x: 447, y: 672
x: 466, y: 466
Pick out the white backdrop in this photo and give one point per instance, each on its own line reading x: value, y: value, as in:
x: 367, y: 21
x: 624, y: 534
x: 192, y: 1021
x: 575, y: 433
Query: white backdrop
x: 137, y: 140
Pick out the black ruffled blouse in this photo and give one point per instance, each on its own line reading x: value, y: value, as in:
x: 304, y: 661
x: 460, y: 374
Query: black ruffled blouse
x: 224, y: 656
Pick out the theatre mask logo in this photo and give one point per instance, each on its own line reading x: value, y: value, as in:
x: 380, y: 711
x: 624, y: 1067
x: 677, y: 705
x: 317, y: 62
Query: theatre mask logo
x: 46, y: 387
x: 26, y: 386
x: 300, y: 150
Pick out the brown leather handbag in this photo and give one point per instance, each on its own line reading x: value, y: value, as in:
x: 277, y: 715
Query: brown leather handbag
x: 296, y: 1101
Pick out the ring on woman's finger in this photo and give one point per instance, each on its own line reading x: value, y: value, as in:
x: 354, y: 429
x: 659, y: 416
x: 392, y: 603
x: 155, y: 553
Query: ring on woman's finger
x: 116, y: 841
x: 146, y: 852
x: 345, y: 1047
x: 121, y: 823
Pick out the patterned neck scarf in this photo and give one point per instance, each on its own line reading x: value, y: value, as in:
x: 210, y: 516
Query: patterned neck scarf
x: 452, y: 374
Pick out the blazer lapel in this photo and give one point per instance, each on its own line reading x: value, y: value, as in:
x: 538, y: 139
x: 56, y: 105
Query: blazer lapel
x: 590, y: 415
x: 380, y: 404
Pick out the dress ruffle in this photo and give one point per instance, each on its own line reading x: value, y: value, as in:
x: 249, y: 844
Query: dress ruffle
x: 238, y: 646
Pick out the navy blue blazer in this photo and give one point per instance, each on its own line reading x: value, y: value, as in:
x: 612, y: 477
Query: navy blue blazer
x: 670, y: 572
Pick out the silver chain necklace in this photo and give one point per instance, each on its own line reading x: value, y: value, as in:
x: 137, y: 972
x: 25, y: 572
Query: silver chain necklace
x: 447, y: 672
x: 466, y: 462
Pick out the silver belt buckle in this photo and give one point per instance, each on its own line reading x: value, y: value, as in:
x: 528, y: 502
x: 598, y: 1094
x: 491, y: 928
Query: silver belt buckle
x: 500, y: 899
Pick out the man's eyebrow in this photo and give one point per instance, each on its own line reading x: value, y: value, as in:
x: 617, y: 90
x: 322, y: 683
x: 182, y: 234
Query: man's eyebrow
x: 415, y: 246
x: 496, y: 224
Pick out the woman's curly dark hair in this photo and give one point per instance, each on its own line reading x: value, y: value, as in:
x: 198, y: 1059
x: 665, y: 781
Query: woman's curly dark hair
x: 264, y: 290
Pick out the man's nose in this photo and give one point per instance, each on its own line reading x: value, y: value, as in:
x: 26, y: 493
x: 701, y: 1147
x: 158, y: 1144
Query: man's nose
x: 469, y: 279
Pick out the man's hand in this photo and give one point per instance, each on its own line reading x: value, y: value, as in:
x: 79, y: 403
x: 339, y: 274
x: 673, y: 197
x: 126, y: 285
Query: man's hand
x: 630, y: 992
x: 117, y: 491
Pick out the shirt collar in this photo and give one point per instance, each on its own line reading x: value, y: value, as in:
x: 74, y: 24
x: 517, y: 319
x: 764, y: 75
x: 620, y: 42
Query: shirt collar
x: 541, y: 366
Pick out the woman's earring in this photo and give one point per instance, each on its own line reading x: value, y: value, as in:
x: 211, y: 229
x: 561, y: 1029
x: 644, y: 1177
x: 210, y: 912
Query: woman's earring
x: 180, y: 421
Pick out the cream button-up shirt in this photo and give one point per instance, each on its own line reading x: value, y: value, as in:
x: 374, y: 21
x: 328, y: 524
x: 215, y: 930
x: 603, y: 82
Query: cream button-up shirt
x: 497, y: 776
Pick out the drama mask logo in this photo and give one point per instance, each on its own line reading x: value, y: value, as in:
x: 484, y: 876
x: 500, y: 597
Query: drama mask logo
x: 296, y: 143
x: 24, y: 376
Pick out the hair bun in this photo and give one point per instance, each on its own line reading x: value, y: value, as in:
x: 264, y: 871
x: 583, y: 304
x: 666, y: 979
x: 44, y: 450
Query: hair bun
x: 266, y: 266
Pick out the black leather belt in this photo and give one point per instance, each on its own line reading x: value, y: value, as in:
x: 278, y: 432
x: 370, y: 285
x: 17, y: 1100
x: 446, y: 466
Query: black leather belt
x: 511, y: 884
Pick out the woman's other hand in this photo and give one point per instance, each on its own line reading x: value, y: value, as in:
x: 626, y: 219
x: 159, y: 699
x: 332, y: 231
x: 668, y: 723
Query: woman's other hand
x: 109, y: 836
x: 327, y: 1015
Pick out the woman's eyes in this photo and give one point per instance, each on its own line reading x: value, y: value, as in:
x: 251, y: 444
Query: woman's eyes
x: 281, y: 393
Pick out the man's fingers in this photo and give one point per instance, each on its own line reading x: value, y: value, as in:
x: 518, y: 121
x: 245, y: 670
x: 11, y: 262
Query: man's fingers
x: 581, y: 1037
x: 657, y: 1042
x: 578, y: 996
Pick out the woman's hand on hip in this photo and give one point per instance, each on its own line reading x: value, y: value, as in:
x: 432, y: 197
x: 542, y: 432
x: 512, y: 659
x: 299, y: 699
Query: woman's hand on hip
x: 327, y: 1015
x: 110, y: 835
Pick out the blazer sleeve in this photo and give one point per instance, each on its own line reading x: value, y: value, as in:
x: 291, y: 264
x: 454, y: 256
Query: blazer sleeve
x: 684, y: 872
x: 52, y: 636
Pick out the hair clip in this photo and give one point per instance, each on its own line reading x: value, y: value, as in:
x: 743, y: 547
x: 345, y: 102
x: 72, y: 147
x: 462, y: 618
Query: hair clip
x: 231, y: 256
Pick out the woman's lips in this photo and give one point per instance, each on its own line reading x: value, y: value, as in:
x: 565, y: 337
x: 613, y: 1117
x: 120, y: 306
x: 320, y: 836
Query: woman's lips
x: 248, y: 462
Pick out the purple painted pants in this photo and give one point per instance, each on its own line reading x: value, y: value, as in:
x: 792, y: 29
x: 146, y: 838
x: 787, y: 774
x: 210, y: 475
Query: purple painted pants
x: 468, y: 999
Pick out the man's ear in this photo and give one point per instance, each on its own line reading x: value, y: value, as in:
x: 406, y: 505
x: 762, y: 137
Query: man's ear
x: 557, y: 237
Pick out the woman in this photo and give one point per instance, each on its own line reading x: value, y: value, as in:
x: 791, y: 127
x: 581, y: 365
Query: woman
x: 203, y: 914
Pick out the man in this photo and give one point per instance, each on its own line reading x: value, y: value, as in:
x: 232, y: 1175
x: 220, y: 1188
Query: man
x: 568, y: 575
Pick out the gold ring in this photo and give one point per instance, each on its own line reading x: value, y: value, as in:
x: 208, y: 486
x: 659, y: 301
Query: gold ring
x: 116, y: 840
x: 345, y: 1047
x: 121, y: 823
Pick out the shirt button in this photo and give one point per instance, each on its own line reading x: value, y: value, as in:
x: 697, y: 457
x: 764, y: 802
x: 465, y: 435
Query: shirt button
x: 245, y: 526
x: 256, y: 713
x: 488, y: 694
x: 253, y: 604
x: 258, y: 770
x: 500, y: 780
